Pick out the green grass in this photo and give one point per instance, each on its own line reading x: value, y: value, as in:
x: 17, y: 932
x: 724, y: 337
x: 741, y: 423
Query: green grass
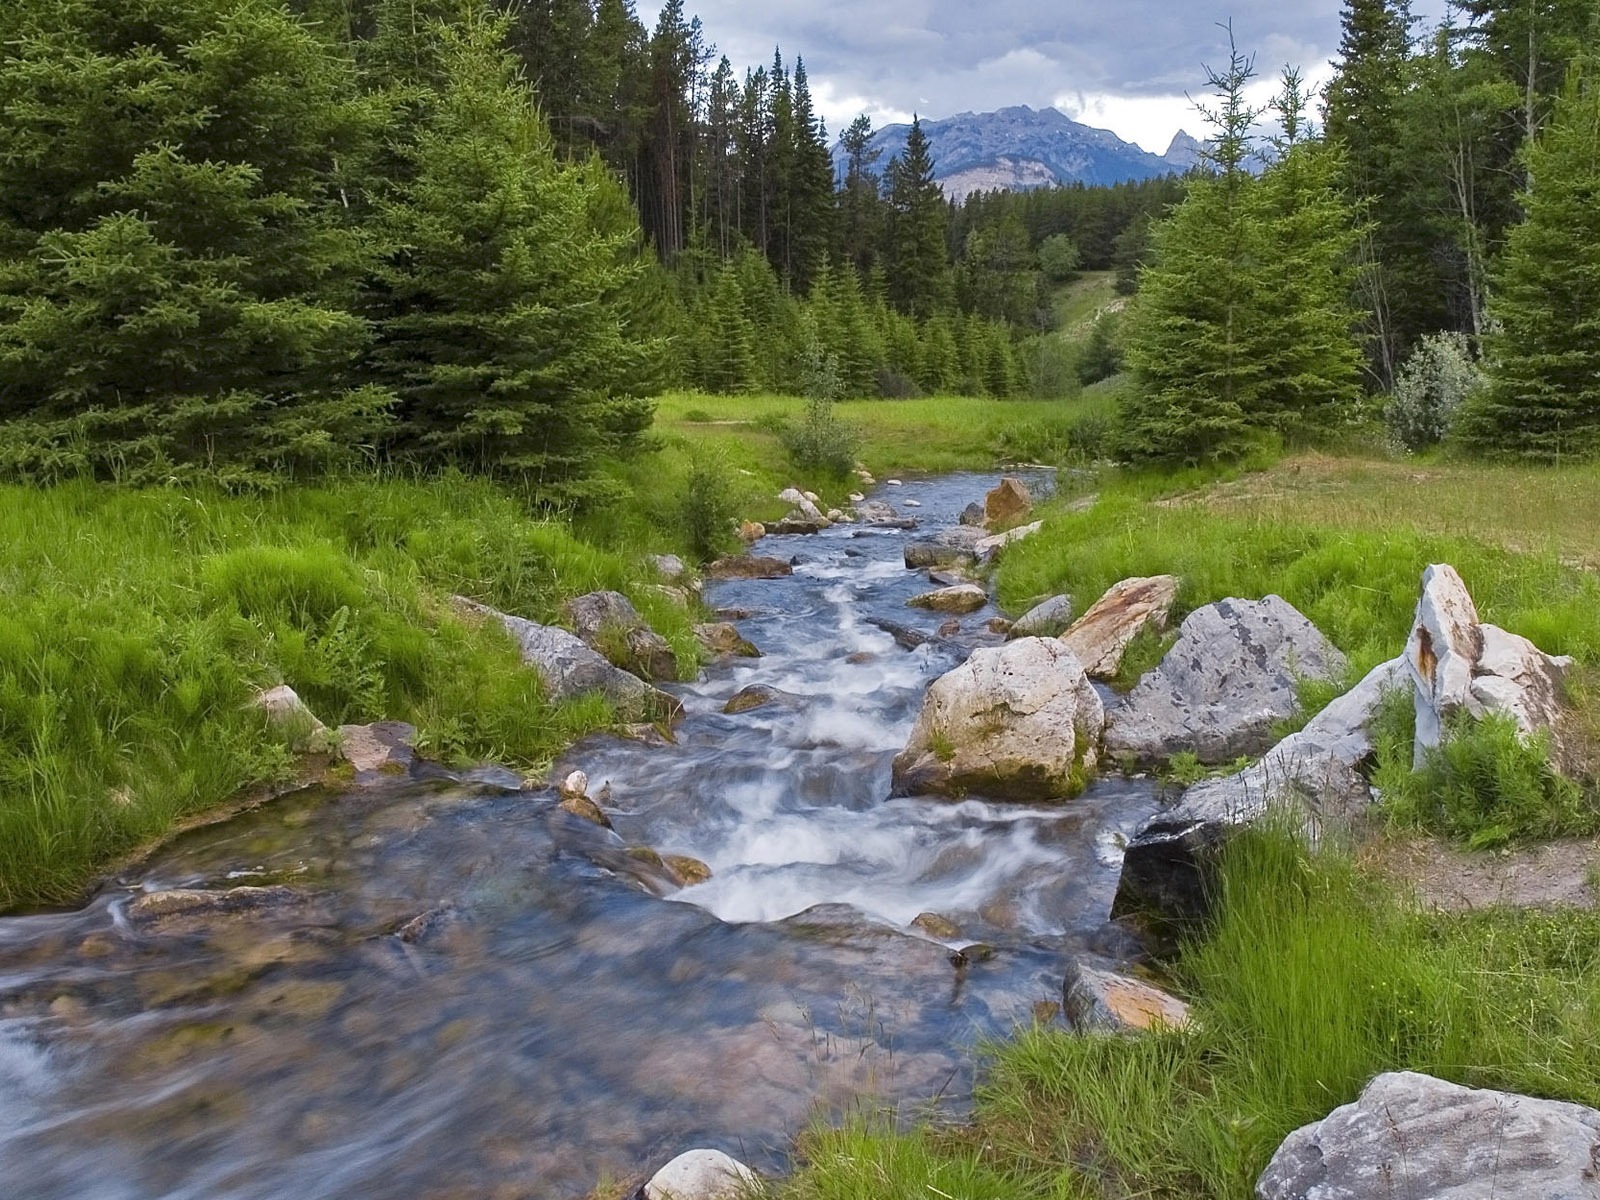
x: 1079, y: 303
x: 1315, y: 979
x: 138, y: 625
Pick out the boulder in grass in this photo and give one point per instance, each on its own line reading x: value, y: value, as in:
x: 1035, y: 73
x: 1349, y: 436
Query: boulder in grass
x: 1413, y: 1136
x: 1231, y: 676
x: 1101, y: 636
x: 383, y: 746
x: 1007, y: 501
x: 1019, y: 721
x: 289, y: 714
x: 1050, y: 618
x: 608, y: 622
x: 987, y: 548
x: 1104, y: 1001
x: 702, y: 1175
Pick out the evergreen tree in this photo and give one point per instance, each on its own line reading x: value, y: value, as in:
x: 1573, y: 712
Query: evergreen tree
x: 859, y: 202
x: 916, y: 254
x: 177, y: 259
x: 811, y: 187
x: 499, y: 305
x: 1543, y: 401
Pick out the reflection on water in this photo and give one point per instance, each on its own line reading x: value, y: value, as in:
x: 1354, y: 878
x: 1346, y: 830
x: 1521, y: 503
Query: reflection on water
x: 452, y: 988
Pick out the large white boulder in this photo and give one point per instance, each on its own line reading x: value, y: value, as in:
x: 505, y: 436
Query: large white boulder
x: 701, y: 1175
x: 1417, y: 1137
x: 1019, y: 721
x: 1230, y: 677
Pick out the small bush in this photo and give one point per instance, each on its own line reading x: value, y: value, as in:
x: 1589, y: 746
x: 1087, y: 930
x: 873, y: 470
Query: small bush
x: 1486, y: 785
x: 1059, y: 258
x: 697, y: 416
x: 708, y: 505
x: 892, y: 385
x: 822, y: 442
x: 1436, y: 380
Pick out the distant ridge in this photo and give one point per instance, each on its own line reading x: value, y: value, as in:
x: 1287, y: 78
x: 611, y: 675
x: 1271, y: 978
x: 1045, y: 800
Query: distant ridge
x: 1019, y: 148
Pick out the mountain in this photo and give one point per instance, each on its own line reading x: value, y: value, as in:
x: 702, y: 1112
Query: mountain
x: 1020, y: 148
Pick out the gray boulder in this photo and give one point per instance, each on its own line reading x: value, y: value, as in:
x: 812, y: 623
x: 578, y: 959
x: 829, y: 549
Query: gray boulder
x: 569, y: 669
x: 608, y: 622
x: 702, y: 1175
x: 1460, y: 665
x: 972, y: 514
x: 956, y: 546
x: 1317, y: 773
x: 669, y: 566
x: 1414, y: 1136
x: 1219, y: 690
x: 804, y: 504
x: 987, y: 548
x: 1019, y: 721
x: 289, y: 714
x: 1048, y: 619
x: 749, y: 566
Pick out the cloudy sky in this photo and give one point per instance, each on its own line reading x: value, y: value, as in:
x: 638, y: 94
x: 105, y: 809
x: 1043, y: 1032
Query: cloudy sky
x: 1124, y: 66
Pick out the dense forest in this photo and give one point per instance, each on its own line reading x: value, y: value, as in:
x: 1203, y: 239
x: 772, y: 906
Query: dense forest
x: 253, y: 238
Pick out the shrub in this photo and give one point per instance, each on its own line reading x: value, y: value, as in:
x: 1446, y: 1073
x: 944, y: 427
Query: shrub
x: 1101, y: 356
x: 822, y: 442
x: 1436, y: 380
x: 708, y: 505
x: 893, y: 385
x: 1058, y: 258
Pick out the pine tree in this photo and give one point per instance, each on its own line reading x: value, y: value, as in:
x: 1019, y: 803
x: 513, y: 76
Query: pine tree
x: 860, y: 205
x: 1543, y: 401
x: 499, y: 305
x: 180, y: 261
x: 916, y: 254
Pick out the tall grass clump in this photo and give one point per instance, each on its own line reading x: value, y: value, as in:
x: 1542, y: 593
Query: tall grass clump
x: 1312, y: 980
x: 139, y: 625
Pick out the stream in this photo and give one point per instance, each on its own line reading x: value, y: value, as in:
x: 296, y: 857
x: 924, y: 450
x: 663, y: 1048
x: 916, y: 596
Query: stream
x: 457, y: 989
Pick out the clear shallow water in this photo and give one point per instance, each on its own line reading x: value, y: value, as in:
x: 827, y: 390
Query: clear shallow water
x: 474, y: 994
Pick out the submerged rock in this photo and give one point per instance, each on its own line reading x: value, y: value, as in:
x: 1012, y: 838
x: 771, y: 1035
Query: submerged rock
x: 1220, y: 689
x: 1018, y: 721
x: 702, y: 1175
x: 1006, y: 502
x: 722, y: 638
x: 1422, y: 1138
x: 1105, y: 1001
x: 936, y: 926
x: 757, y: 695
x: 1101, y: 636
x: 962, y: 598
x: 749, y: 566
x: 191, y: 902
x: 1050, y: 618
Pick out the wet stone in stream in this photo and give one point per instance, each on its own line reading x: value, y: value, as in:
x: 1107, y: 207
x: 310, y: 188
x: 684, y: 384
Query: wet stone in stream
x: 466, y: 991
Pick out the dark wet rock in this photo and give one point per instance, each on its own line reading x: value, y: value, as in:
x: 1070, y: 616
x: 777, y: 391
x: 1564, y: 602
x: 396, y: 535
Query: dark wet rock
x: 913, y: 639
x: 1100, y: 1000
x: 722, y: 638
x: 977, y: 952
x: 1231, y: 676
x: 702, y: 1175
x: 759, y: 695
x: 1316, y: 774
x: 384, y: 746
x: 569, y: 669
x: 734, y: 614
x: 1422, y: 1138
x: 1019, y: 721
x: 1100, y: 637
x: 949, y: 546
x: 963, y: 598
x: 998, y: 625
x: 424, y: 926
x: 797, y: 525
x: 950, y: 629
x: 748, y: 566
x: 582, y: 806
x: 1047, y: 619
x: 608, y: 622
x: 204, y: 902
x: 972, y: 514
x: 860, y: 657
x: 936, y: 926
x: 1007, y: 501
x: 876, y: 512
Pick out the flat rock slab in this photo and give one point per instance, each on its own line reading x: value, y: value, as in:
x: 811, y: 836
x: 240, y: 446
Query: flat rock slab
x: 384, y: 746
x: 1103, y: 1001
x: 749, y: 566
x: 1231, y: 675
x: 988, y: 547
x: 1100, y: 637
x: 1414, y: 1136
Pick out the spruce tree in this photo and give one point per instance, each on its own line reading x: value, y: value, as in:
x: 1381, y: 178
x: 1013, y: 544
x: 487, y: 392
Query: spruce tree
x: 916, y: 253
x: 1543, y: 401
x: 499, y: 304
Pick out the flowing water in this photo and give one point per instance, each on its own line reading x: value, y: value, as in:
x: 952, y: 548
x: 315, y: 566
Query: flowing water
x: 461, y: 990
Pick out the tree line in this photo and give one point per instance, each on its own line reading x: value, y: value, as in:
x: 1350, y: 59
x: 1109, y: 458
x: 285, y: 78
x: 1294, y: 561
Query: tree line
x: 1433, y: 252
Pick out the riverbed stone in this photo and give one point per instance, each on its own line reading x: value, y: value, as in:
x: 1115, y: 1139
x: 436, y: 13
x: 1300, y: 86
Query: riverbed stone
x: 972, y: 514
x: 702, y: 1175
x: 689, y: 871
x: 202, y: 902
x: 1049, y: 618
x: 1220, y: 689
x: 1459, y: 665
x: 749, y: 566
x: 1423, y: 1138
x: 935, y: 926
x: 805, y: 504
x: 987, y: 548
x: 1104, y: 1001
x: 757, y: 695
x: 1315, y: 775
x: 1101, y: 636
x: 569, y: 669
x: 962, y: 598
x: 384, y: 746
x: 952, y: 546
x: 723, y: 638
x: 1019, y: 721
x: 1007, y: 501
